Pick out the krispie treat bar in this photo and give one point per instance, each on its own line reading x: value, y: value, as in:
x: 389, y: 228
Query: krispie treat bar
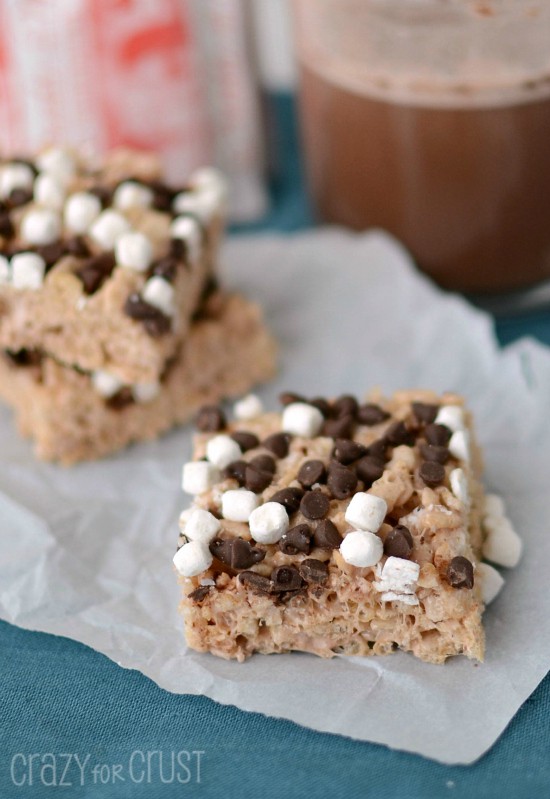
x: 338, y: 527
x: 226, y: 351
x: 102, y: 265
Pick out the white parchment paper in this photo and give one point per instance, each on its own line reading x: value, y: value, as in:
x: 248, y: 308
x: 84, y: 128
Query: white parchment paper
x: 86, y: 553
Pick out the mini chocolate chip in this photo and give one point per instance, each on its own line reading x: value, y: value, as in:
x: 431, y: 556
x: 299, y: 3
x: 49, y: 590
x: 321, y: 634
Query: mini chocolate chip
x: 346, y: 451
x: 24, y: 357
x: 397, y: 434
x: 199, y: 594
x: 103, y: 194
x: 369, y: 469
x: 378, y: 449
x: 51, y: 253
x: 7, y: 229
x: 311, y: 472
x: 286, y: 578
x: 245, y: 440
x: 424, y: 411
x: 95, y: 271
x: 460, y: 573
x: 256, y: 480
x: 342, y: 482
x: 210, y: 419
x: 432, y: 473
x: 432, y: 452
x: 165, y: 268
x: 297, y: 539
x: 236, y: 552
x: 154, y: 321
x: 77, y: 246
x: 278, y: 444
x: 264, y: 463
x: 326, y: 535
x: 288, y: 397
x: 289, y: 498
x: 322, y: 405
x: 399, y: 542
x: 437, y: 434
x: 236, y: 470
x: 346, y: 405
x: 121, y: 399
x: 371, y: 414
x: 178, y: 249
x: 255, y: 581
x: 338, y: 428
x: 314, y: 571
x: 315, y: 505
x: 19, y: 197
x: 163, y: 195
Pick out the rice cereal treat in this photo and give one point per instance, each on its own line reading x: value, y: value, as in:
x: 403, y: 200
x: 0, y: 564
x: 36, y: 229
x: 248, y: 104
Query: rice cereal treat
x: 340, y: 528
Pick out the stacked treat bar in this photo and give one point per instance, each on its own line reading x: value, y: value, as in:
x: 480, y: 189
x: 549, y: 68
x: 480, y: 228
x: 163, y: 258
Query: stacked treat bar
x: 335, y: 527
x: 112, y: 327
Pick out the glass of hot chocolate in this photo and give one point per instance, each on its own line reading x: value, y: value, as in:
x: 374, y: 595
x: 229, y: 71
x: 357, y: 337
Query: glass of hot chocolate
x: 431, y: 119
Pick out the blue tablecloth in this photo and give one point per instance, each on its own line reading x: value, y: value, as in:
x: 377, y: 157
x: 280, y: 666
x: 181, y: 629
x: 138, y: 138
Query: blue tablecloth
x: 73, y: 719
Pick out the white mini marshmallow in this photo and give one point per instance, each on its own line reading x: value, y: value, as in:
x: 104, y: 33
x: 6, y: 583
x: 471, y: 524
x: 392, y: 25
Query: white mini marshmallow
x: 202, y: 203
x: 492, y: 582
x: 360, y: 548
x: 160, y: 293
x: 397, y: 574
x: 268, y: 523
x: 502, y: 545
x: 393, y: 596
x: 145, y: 392
x: 201, y: 525
x: 187, y: 229
x: 208, y: 177
x: 222, y: 450
x: 5, y: 271
x: 58, y: 162
x: 192, y: 559
x: 132, y: 195
x: 238, y: 504
x: 198, y: 477
x: 108, y: 226
x: 134, y: 251
x: 452, y: 416
x: 302, y: 419
x: 459, y: 485
x: 459, y: 445
x: 49, y: 192
x: 41, y: 226
x: 27, y: 270
x: 15, y: 176
x: 81, y: 210
x: 106, y: 383
x: 494, y: 505
x: 366, y: 511
x: 248, y: 407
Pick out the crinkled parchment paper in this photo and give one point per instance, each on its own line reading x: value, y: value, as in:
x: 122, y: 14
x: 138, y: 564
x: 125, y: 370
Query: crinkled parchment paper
x: 86, y: 552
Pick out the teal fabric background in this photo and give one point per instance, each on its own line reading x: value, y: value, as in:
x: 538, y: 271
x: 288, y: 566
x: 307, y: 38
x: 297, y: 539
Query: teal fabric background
x: 60, y: 699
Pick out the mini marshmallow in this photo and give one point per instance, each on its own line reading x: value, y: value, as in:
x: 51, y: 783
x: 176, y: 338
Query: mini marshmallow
x: 132, y: 195
x: 41, y: 226
x: 491, y: 582
x: 145, y: 392
x: 459, y: 485
x: 452, y: 416
x: 208, y: 177
x: 238, y: 504
x: 398, y: 574
x: 222, y: 450
x: 393, y: 596
x: 202, y: 203
x: 201, y: 525
x: 81, y: 210
x: 57, y: 162
x: 192, y: 559
x: 302, y: 419
x: 268, y: 523
x: 108, y: 226
x: 27, y: 270
x: 459, y: 445
x: 187, y: 229
x: 134, y: 251
x: 49, y: 192
x: 248, y: 407
x: 502, y: 545
x: 15, y: 176
x: 160, y: 293
x: 198, y: 477
x: 360, y: 548
x: 5, y: 272
x: 366, y: 511
x: 105, y: 383
x: 494, y: 505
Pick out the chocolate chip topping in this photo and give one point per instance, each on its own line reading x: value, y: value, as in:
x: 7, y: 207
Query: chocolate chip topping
x: 210, y: 419
x: 314, y: 571
x: 95, y: 271
x: 163, y: 195
x: 103, y: 194
x: 371, y: 414
x: 315, y: 505
x: 432, y: 473
x: 346, y: 451
x: 166, y: 268
x: 289, y: 498
x: 256, y: 480
x: 346, y: 405
x: 424, y: 412
x: 199, y: 594
x: 342, y: 482
x: 77, y: 246
x: 399, y: 542
x: 338, y: 428
x: 437, y: 434
x: 397, y: 434
x: 7, y: 229
x: 121, y: 399
x: 24, y: 357
x: 236, y: 552
x: 245, y: 440
x: 378, y: 449
x: 369, y: 469
x: 278, y: 444
x: 236, y: 470
x: 311, y: 472
x: 297, y: 539
x: 460, y: 573
x: 432, y: 452
x: 154, y: 321
x: 326, y: 535
x: 19, y: 197
x: 286, y: 578
x: 257, y: 582
x: 264, y: 463
x: 288, y: 397
x: 322, y: 405
x: 51, y: 253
